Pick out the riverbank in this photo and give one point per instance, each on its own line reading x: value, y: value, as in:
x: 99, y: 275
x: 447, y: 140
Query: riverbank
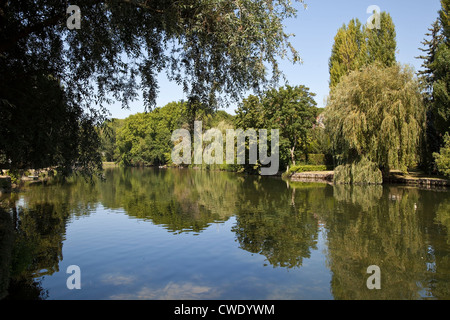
x: 313, y: 176
x: 395, y: 177
x: 417, y: 179
x: 32, y: 176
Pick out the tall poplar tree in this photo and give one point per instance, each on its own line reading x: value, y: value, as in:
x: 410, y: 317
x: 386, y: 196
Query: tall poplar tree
x: 382, y: 43
x: 348, y: 52
x: 355, y: 46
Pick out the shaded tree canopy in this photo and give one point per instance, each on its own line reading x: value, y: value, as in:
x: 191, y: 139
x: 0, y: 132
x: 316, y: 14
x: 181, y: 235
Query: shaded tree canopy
x: 443, y: 158
x: 440, y: 68
x: 39, y: 128
x: 211, y: 48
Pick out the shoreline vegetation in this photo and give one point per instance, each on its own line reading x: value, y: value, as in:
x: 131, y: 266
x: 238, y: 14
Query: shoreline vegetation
x: 415, y: 178
x: 418, y: 179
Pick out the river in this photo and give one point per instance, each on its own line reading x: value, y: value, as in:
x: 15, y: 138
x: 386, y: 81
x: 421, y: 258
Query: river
x: 190, y: 234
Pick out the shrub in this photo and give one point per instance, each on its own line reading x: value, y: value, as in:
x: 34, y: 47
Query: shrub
x: 343, y: 174
x: 307, y: 168
x: 15, y: 176
x: 361, y: 172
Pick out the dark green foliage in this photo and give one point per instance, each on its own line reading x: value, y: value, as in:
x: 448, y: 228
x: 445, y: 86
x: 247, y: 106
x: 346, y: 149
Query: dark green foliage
x: 6, y: 243
x: 212, y: 48
x: 435, y: 80
x: 315, y: 159
x: 293, y: 111
x: 41, y: 129
x: 431, y: 139
x: 443, y: 157
x: 108, y: 134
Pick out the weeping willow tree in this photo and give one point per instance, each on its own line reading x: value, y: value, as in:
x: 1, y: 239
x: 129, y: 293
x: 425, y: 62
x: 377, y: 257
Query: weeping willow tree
x: 376, y: 114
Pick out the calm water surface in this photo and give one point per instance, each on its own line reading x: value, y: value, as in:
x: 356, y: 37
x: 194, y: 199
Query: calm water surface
x: 185, y: 234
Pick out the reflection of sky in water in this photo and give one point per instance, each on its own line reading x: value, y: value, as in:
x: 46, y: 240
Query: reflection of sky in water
x: 134, y: 259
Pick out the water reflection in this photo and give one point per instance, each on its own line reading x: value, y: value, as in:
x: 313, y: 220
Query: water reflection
x: 396, y: 230
x: 402, y: 230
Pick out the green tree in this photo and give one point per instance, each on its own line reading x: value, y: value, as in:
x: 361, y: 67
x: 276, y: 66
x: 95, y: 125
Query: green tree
x: 145, y: 138
x: 131, y: 139
x: 250, y: 114
x: 355, y: 46
x: 444, y: 17
x: 441, y: 68
x: 41, y: 128
x: 376, y: 113
x: 435, y: 79
x: 108, y: 134
x: 441, y: 90
x: 443, y: 157
x: 348, y: 52
x: 215, y: 50
x: 293, y: 111
x: 427, y: 78
x: 208, y: 47
x: 382, y: 43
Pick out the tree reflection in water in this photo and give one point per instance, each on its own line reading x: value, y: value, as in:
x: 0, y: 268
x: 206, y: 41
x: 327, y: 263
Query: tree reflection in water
x: 402, y: 230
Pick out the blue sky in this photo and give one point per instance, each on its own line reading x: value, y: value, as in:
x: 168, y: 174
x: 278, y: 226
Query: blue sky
x: 314, y: 30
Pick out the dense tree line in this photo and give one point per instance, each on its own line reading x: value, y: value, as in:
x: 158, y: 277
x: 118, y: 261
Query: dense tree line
x: 144, y: 139
x: 379, y: 116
